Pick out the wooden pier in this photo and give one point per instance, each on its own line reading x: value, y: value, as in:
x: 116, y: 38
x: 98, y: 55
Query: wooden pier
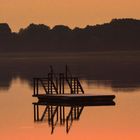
x: 51, y: 89
x: 57, y: 106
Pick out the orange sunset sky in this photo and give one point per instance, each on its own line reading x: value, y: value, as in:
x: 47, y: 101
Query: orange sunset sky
x: 20, y: 13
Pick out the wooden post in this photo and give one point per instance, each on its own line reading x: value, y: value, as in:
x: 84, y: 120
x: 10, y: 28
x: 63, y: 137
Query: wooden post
x: 57, y: 114
x: 57, y: 84
x: 74, y: 87
x: 34, y: 86
x: 60, y: 115
x: 75, y: 113
x: 37, y: 112
x: 71, y: 85
x: 60, y: 83
x: 67, y: 125
x: 51, y: 79
x: 49, y: 114
x: 51, y: 111
x: 72, y: 114
x: 48, y: 84
x: 34, y: 112
x: 63, y: 114
x: 77, y: 85
x: 63, y: 83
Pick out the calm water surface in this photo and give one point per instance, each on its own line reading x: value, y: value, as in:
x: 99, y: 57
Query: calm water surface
x: 118, y: 122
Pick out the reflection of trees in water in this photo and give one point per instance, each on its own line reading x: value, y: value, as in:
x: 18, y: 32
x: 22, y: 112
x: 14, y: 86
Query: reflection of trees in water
x: 57, y: 115
x: 117, y: 85
x: 119, y: 74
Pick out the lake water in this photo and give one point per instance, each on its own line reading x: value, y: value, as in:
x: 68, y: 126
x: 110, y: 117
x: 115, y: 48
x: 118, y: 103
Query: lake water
x: 118, y: 122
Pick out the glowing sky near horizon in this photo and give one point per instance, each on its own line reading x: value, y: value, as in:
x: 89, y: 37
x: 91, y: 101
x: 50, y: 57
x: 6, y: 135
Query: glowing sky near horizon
x: 20, y: 13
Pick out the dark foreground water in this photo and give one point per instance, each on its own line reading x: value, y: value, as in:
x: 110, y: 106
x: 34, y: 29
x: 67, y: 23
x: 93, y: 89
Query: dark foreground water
x: 118, y: 122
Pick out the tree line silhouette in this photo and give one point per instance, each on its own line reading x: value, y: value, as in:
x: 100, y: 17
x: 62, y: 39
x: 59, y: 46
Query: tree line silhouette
x: 119, y: 34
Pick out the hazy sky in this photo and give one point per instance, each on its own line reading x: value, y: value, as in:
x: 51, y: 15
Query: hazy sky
x: 19, y: 13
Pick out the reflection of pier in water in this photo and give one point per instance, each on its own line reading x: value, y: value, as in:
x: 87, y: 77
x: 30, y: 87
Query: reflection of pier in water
x: 57, y: 115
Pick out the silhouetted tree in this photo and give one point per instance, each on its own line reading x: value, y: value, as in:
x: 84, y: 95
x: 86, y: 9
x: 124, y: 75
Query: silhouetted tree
x: 119, y: 34
x: 4, y: 28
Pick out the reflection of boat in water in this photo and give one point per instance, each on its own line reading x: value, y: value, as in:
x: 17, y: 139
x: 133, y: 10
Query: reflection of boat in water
x: 51, y: 94
x: 60, y: 114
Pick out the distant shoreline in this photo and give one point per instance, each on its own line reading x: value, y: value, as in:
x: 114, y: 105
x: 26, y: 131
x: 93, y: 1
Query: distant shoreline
x: 118, y: 35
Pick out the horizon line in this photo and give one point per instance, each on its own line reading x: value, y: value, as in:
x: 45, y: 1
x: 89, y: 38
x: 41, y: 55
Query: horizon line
x: 72, y: 28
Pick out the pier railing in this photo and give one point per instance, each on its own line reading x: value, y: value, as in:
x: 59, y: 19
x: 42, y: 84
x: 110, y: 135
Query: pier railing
x: 49, y: 85
x: 55, y: 83
x: 73, y: 82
